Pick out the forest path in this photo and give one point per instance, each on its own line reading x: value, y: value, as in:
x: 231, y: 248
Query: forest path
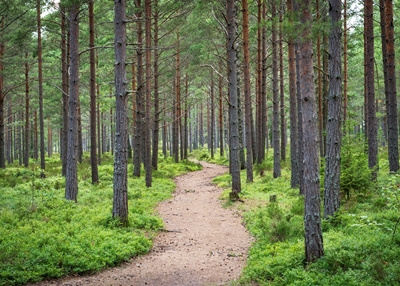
x: 204, y: 244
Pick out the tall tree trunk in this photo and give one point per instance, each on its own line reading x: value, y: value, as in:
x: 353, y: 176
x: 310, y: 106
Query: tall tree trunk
x: 388, y: 52
x: 221, y: 118
x: 370, y: 88
x: 120, y: 198
x: 247, y: 92
x: 40, y: 82
x: 233, y: 102
x: 345, y: 63
x: 9, y: 149
x: 137, y: 147
x: 275, y: 92
x: 147, y: 148
x: 177, y: 118
x: 258, y: 130
x: 282, y: 88
x: 333, y: 127
x: 294, y: 179
x: 2, y: 97
x: 320, y: 91
x: 27, y: 115
x: 312, y: 219
x: 212, y: 116
x: 185, y: 125
x: 64, y: 82
x: 93, y: 104
x: 156, y: 128
x: 71, y: 185
x: 263, y: 102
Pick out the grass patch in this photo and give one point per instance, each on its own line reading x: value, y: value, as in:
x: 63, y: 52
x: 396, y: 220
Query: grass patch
x: 44, y: 236
x: 362, y: 241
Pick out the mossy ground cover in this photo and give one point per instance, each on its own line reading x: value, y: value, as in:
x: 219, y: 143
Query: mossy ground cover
x: 362, y: 241
x: 44, y: 236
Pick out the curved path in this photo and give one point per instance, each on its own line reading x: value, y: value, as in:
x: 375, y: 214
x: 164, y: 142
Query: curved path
x: 203, y: 244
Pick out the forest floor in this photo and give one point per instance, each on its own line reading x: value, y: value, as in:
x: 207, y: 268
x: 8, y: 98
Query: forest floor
x: 202, y: 243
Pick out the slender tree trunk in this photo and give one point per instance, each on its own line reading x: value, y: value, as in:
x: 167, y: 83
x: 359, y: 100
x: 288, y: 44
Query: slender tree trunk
x: 282, y: 88
x: 221, y: 118
x: 388, y: 52
x: 147, y: 148
x: 263, y: 103
x: 64, y: 83
x: 9, y: 138
x: 120, y: 199
x: 40, y: 82
x: 258, y: 142
x: 345, y: 63
x: 156, y: 128
x: 312, y: 219
x: 233, y: 102
x: 275, y: 101
x: 333, y: 124
x: 370, y: 88
x: 247, y: 92
x: 185, y: 125
x: 137, y: 147
x: 294, y: 181
x: 93, y: 104
x: 71, y: 186
x: 320, y: 92
x: 27, y: 115
x: 212, y: 116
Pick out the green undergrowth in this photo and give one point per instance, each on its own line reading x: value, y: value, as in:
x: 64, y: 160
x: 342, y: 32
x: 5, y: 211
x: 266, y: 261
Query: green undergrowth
x: 203, y: 154
x: 361, y: 242
x: 44, y: 236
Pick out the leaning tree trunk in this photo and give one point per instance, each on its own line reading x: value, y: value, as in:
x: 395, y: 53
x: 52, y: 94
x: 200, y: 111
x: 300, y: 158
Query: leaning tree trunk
x: 312, y: 219
x: 120, y: 199
x: 71, y: 185
x: 333, y: 124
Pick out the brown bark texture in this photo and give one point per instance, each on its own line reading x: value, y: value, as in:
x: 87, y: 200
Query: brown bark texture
x: 312, y: 218
x: 333, y: 122
x: 120, y: 184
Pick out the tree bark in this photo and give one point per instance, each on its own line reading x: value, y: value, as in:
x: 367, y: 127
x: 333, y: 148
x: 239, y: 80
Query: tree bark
x: 71, y: 187
x: 282, y: 89
x: 120, y: 198
x: 372, y: 131
x: 27, y: 115
x: 312, y: 218
x: 40, y: 82
x: 147, y: 160
x: 233, y: 101
x: 137, y: 145
x: 247, y: 92
x: 93, y: 104
x: 389, y: 67
x: 156, y: 128
x: 64, y: 82
x: 275, y: 100
x: 333, y: 124
x: 294, y: 180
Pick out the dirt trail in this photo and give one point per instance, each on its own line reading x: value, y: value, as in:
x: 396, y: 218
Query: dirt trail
x: 203, y: 244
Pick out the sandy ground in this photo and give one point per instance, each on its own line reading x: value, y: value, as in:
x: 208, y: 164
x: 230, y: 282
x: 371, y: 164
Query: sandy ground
x: 203, y: 243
